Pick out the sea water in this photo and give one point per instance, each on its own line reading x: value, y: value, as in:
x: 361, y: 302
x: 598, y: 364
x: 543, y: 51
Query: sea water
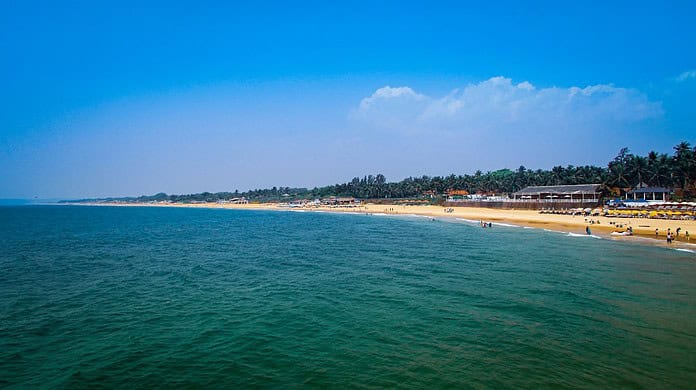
x: 160, y: 297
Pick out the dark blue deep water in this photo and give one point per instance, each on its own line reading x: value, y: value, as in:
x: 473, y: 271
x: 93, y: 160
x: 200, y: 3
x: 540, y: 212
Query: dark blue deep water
x: 162, y: 297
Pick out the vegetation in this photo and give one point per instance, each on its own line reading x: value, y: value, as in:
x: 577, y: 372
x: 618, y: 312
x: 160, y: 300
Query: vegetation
x: 624, y: 172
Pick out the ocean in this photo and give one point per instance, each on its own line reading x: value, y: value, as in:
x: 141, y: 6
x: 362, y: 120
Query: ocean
x: 142, y: 297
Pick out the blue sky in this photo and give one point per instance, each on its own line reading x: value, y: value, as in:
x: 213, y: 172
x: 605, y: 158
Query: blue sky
x: 181, y: 97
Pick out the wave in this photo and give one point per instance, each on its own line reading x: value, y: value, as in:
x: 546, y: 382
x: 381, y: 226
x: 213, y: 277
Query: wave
x: 583, y: 235
x: 467, y: 220
x: 506, y: 224
x: 684, y: 250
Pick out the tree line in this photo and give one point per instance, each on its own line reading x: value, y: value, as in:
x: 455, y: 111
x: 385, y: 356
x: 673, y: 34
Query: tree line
x: 625, y: 171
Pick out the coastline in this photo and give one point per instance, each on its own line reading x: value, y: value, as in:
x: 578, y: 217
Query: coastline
x: 643, y: 229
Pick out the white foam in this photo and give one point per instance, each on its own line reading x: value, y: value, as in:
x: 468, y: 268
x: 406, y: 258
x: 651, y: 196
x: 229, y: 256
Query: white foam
x: 468, y: 220
x: 554, y: 231
x: 684, y: 250
x: 584, y: 235
x: 506, y: 224
x: 420, y: 216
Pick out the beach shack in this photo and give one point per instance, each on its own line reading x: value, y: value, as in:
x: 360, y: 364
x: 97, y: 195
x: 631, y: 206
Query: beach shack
x: 337, y: 201
x: 649, y: 193
x: 563, y: 193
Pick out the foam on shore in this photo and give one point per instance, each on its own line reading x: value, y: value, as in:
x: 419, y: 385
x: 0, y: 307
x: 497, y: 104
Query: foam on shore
x: 583, y: 235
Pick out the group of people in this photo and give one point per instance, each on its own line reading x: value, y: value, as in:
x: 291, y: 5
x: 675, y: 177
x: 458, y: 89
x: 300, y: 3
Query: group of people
x: 671, y: 237
x: 485, y: 224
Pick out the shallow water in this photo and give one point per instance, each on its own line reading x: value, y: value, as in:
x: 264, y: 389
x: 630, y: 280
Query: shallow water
x: 155, y: 297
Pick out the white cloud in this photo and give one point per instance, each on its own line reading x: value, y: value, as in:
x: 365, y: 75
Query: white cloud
x: 506, y: 108
x: 689, y: 74
x: 390, y: 93
x: 390, y: 107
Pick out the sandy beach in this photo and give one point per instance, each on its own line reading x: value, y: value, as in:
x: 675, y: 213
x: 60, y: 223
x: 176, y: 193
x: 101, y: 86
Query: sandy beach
x: 602, y: 226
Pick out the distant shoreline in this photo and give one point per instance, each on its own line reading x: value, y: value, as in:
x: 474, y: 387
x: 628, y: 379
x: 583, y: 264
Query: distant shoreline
x: 643, y: 229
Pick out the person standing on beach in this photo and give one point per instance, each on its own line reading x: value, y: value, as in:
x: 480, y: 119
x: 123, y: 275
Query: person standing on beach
x: 686, y: 235
x: 656, y: 233
x: 587, y: 230
x: 669, y: 237
x: 678, y: 230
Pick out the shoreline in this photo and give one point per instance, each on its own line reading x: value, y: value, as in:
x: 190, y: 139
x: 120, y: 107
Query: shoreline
x: 643, y: 228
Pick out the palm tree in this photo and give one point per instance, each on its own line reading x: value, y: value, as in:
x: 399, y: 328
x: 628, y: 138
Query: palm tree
x: 684, y: 165
x: 617, y: 170
x: 637, y: 169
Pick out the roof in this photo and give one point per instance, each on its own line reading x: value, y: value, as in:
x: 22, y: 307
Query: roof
x: 649, y: 189
x: 567, y: 189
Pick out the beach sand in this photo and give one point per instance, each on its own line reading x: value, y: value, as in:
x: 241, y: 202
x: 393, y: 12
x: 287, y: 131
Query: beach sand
x: 603, y: 226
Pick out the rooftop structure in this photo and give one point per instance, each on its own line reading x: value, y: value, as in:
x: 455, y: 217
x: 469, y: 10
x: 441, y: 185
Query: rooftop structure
x: 649, y: 193
x: 581, y: 192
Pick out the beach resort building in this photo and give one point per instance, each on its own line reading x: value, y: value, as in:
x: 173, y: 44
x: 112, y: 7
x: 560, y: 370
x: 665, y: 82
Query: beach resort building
x: 337, y: 201
x: 564, y: 193
x: 649, y: 193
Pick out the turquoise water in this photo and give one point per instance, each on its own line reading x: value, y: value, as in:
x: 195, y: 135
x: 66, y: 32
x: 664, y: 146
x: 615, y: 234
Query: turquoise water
x: 160, y: 297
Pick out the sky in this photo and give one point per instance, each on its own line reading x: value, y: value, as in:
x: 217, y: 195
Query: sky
x: 134, y: 98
